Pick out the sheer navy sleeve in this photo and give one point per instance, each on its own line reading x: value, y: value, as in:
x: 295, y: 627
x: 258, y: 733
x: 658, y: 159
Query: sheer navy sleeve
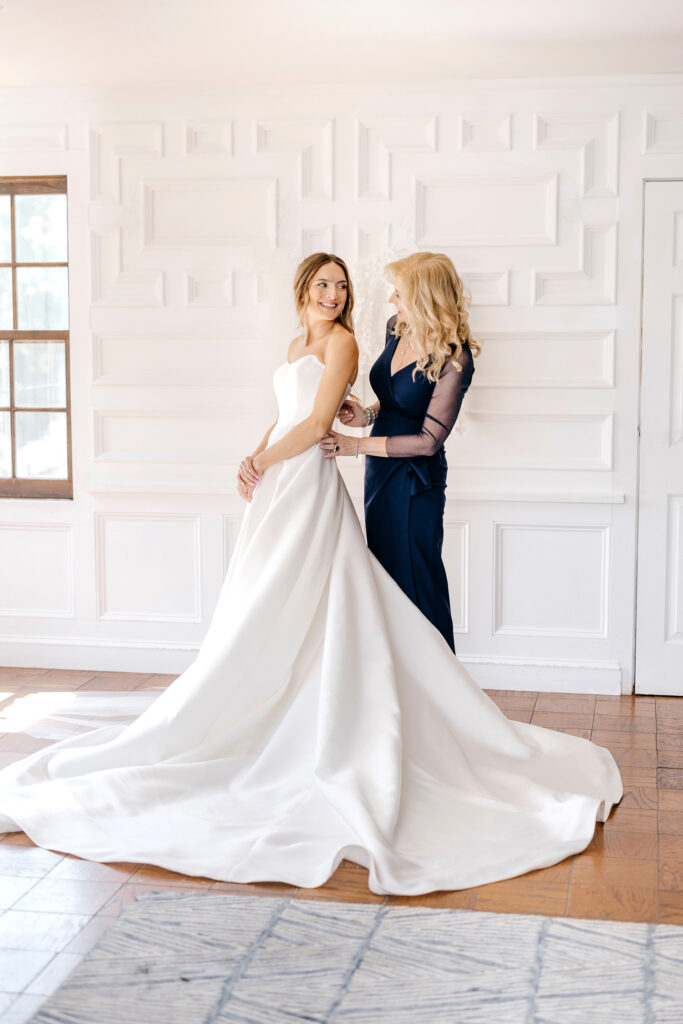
x: 441, y: 414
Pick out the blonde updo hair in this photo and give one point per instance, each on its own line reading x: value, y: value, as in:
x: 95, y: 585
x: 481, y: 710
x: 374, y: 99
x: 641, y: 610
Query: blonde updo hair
x: 433, y: 292
x: 305, y: 273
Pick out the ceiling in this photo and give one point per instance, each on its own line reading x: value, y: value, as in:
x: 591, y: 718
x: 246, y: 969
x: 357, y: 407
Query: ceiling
x: 144, y: 43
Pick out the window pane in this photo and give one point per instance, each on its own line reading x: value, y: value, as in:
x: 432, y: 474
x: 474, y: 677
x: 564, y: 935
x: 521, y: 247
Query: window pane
x: 6, y: 323
x: 5, y: 240
x: 42, y: 298
x: 41, y: 445
x: 40, y: 226
x: 39, y: 373
x: 5, y: 445
x: 4, y: 372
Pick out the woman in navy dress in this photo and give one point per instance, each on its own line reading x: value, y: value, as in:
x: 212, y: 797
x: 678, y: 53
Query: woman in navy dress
x: 420, y: 380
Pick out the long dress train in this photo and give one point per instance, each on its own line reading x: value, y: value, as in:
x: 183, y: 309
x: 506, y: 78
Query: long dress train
x: 324, y: 717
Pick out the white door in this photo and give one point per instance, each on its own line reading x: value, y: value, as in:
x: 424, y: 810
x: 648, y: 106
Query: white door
x: 659, y: 610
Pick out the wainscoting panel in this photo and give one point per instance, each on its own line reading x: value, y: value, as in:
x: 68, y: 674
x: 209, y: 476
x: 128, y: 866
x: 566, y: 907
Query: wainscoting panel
x: 187, y: 217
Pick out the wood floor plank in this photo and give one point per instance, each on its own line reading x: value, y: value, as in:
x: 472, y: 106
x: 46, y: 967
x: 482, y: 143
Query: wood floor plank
x: 670, y: 710
x: 566, y: 703
x: 671, y: 908
x: 670, y: 873
x: 613, y: 903
x: 631, y: 819
x: 611, y: 738
x: 670, y: 778
x: 461, y: 899
x: 631, y: 757
x: 521, y: 896
x: 671, y: 823
x: 671, y: 800
x: 669, y: 757
x: 632, y: 775
x: 642, y: 846
x: 349, y: 883
x: 563, y: 719
x: 626, y: 723
x: 645, y: 797
x: 592, y: 870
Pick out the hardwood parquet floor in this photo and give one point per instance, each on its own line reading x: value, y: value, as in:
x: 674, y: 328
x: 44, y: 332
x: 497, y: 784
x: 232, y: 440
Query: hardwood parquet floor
x: 54, y: 907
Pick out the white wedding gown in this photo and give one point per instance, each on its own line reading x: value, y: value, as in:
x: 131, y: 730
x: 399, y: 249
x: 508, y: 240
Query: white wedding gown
x: 324, y: 717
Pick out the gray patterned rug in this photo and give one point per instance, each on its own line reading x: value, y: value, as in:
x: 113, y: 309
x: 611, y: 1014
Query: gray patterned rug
x: 181, y: 958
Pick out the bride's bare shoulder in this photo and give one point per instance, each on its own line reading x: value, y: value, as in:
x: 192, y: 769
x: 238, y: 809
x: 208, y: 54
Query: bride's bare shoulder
x: 343, y: 341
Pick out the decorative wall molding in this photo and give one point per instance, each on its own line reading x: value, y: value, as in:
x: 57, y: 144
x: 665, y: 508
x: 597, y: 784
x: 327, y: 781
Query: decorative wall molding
x: 171, y: 358
x: 518, y: 183
x: 593, y: 283
x: 317, y: 240
x: 597, y: 140
x: 513, y: 440
x: 517, y: 210
x: 179, y: 437
x: 663, y: 132
x: 456, y: 548
x: 186, y: 213
x: 114, y: 286
x: 674, y: 570
x: 678, y: 239
x: 546, y: 359
x: 488, y: 287
x: 545, y: 675
x: 676, y: 348
x: 214, y: 289
x: 485, y: 134
x: 528, y: 589
x: 110, y: 145
x: 231, y: 529
x: 140, y: 573
x: 372, y: 241
x: 209, y: 138
x: 379, y: 139
x: 312, y: 140
x: 41, y: 570
x: 30, y: 138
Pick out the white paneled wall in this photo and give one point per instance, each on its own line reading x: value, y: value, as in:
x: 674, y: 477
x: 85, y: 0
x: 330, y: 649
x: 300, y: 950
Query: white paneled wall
x: 187, y: 216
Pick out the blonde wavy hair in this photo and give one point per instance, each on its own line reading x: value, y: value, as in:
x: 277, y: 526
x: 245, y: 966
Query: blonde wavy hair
x: 307, y: 270
x: 438, y: 301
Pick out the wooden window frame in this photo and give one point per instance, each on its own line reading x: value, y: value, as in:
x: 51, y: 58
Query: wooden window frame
x: 22, y: 487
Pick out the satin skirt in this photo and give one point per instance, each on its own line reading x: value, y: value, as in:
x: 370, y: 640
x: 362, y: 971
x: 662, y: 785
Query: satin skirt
x: 324, y: 718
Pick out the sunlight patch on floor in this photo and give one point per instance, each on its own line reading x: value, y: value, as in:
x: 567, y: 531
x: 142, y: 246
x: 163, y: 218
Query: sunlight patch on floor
x: 55, y: 714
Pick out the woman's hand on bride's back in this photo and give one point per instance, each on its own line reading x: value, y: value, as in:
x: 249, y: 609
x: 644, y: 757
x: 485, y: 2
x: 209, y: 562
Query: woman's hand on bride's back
x: 351, y: 414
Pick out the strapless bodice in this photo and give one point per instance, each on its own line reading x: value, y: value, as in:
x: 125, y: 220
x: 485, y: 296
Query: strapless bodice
x: 296, y: 385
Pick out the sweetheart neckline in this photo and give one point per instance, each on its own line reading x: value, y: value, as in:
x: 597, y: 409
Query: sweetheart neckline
x: 309, y: 355
x: 312, y: 355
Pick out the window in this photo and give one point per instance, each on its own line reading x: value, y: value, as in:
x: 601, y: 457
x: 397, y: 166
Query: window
x: 35, y: 415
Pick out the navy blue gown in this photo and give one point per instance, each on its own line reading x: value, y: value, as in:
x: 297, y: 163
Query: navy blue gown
x: 405, y: 493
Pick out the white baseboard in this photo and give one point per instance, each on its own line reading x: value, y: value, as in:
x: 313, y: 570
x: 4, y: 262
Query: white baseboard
x: 545, y: 675
x: 98, y: 655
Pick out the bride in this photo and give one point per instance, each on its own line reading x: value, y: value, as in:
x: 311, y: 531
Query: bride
x: 324, y: 716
